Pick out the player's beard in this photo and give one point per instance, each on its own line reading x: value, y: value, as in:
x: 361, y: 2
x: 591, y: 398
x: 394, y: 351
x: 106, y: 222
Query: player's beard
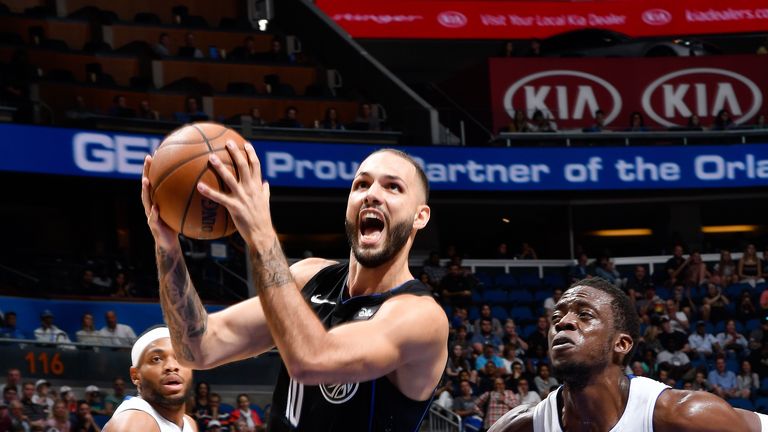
x: 397, y: 237
x: 151, y: 393
x: 577, y: 374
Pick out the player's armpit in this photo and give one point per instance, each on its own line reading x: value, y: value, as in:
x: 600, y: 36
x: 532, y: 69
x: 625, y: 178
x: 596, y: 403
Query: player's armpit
x: 130, y: 421
x: 518, y: 419
x: 696, y: 411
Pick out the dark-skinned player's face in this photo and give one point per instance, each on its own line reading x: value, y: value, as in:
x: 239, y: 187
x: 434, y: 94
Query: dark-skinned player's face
x: 582, y: 334
x: 160, y: 378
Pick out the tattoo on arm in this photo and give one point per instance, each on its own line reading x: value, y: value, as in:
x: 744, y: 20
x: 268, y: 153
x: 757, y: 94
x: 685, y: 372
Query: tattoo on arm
x: 183, y: 311
x: 274, y: 270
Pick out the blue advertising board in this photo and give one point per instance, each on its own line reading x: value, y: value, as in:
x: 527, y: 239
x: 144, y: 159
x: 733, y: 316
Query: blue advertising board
x: 47, y: 150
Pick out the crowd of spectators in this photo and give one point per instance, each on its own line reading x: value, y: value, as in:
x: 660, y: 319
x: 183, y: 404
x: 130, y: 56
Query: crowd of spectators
x: 704, y: 327
x: 37, y: 406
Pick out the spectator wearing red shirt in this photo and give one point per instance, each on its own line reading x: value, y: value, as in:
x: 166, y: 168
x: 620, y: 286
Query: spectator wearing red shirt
x: 245, y: 413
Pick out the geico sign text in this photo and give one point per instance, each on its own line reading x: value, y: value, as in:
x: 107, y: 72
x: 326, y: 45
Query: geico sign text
x: 101, y: 153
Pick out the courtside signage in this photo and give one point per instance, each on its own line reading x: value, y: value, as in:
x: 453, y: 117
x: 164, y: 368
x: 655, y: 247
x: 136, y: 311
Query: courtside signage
x: 667, y: 91
x: 313, y: 165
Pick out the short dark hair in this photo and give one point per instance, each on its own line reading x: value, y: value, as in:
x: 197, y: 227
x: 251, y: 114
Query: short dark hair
x: 419, y: 170
x: 625, y: 318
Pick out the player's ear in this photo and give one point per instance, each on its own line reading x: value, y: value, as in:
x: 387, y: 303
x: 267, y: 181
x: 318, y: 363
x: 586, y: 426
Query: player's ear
x: 135, y: 376
x: 421, y: 218
x: 623, y: 344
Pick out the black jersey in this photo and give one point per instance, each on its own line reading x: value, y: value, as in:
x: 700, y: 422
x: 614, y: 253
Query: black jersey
x: 375, y: 405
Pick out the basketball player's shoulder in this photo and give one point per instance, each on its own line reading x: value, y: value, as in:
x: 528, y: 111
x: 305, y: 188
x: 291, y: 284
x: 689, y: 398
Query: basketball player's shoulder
x: 132, y: 420
x: 518, y: 419
x: 305, y: 269
x: 684, y: 410
x: 192, y: 422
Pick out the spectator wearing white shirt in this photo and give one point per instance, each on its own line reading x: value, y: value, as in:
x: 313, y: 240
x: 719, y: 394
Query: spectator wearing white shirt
x: 88, y: 333
x: 677, y: 319
x: 526, y: 396
x: 116, y: 334
x: 48, y: 332
x: 703, y: 344
x: 549, y: 302
x: 41, y: 396
x: 732, y: 342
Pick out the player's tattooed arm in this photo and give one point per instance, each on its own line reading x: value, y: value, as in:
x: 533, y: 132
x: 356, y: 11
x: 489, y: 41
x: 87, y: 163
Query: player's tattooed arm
x: 274, y: 271
x: 182, y: 309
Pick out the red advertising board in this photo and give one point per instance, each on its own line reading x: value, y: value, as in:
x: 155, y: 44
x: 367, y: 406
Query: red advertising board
x: 435, y: 19
x: 667, y: 91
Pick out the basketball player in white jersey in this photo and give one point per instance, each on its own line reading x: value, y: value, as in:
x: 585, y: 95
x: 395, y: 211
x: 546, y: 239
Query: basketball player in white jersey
x: 590, y: 343
x: 163, y: 386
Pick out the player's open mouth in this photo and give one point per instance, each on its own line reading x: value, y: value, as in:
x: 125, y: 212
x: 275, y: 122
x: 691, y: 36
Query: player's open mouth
x: 371, y: 226
x: 172, y: 383
x: 562, y: 342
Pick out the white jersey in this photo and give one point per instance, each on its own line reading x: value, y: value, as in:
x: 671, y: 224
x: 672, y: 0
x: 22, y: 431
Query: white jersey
x: 139, y: 404
x: 637, y: 417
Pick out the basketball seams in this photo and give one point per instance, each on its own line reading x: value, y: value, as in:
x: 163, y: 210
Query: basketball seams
x: 191, y: 196
x: 170, y: 170
x: 183, y: 142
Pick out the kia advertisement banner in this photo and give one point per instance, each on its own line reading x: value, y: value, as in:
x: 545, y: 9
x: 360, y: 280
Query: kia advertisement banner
x: 315, y: 165
x: 435, y: 19
x: 667, y: 91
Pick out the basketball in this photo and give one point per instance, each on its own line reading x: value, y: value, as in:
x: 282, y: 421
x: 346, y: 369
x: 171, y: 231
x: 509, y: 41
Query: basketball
x: 179, y: 163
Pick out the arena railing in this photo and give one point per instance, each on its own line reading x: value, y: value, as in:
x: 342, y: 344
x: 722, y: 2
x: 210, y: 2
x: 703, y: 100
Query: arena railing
x: 624, y: 138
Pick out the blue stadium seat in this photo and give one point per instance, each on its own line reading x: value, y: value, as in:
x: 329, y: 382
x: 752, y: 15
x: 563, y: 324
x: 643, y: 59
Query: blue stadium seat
x: 522, y: 314
x: 733, y: 364
x: 540, y: 295
x: 473, y: 313
x: 709, y: 328
x: 530, y: 329
x: 761, y: 404
x: 734, y: 291
x: 740, y: 327
x: 495, y: 297
x: 744, y: 404
x: 553, y: 281
x: 484, y: 279
x: 520, y: 297
x: 663, y: 292
x: 529, y: 281
x: 505, y: 281
x: 751, y: 325
x: 226, y: 408
x: 477, y: 297
x: 100, y: 419
x: 719, y: 327
x: 499, y: 313
x: 764, y: 384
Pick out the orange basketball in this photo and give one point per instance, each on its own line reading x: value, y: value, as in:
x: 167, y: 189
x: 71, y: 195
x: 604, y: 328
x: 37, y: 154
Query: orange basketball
x: 179, y: 163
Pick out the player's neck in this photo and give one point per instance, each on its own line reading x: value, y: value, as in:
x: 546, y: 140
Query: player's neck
x: 597, y: 406
x: 370, y: 280
x: 172, y: 414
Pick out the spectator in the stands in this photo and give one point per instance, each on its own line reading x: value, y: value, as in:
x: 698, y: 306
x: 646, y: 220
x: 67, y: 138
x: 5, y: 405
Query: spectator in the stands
x: 747, y: 382
x: 760, y: 123
x: 581, y: 269
x: 60, y: 419
x: 700, y: 382
x: 527, y: 252
x: 606, y: 270
x: 163, y: 46
x: 121, y: 286
x: 86, y: 285
x: 542, y: 123
x: 12, y: 380
x: 200, y: 404
x: 190, y: 49
x: 678, y: 320
x: 539, y: 338
x: 668, y: 333
x: 734, y: 344
x: 703, y: 344
x: 758, y: 337
x: 599, y: 124
x: 489, y: 350
x: 290, y: 119
x: 637, y: 283
x: 433, y: 268
x: 146, y: 112
x: 745, y: 308
x: 192, y: 112
x: 534, y: 48
x: 485, y: 313
x: 714, y: 304
x: 550, y: 302
x: 244, y: 412
x: 646, y: 306
x: 42, y: 396
x: 367, y: 118
x: 508, y: 50
x: 518, y: 124
x: 637, y: 122
x: 694, y: 124
x: 214, y: 413
x: 36, y: 413
x: 464, y: 404
x: 544, y: 381
x: 502, y: 251
x: 456, y: 287
x: 526, y: 396
x: 675, y: 267
x: 95, y: 400
x: 9, y: 395
x: 116, y: 334
x: 696, y: 272
x: 457, y: 362
x: 723, y: 121
x: 673, y: 359
x: 496, y: 403
x: 750, y: 269
x: 247, y: 51
x: 19, y: 420
x: 763, y: 48
x: 276, y: 52
x: 484, y: 336
x: 83, y: 420
x: 256, y: 119
x: 112, y: 401
x: 88, y: 333
x: 331, y: 120
x: 120, y: 108
x: 48, y: 332
x: 9, y: 330
x: 726, y: 268
x: 723, y: 381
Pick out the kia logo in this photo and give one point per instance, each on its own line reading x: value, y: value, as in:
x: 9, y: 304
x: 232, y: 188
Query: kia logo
x: 704, y: 92
x: 657, y: 17
x: 566, y: 101
x: 452, y: 19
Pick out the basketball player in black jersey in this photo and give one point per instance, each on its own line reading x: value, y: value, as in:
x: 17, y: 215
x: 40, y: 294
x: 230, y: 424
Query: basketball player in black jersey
x: 363, y: 344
